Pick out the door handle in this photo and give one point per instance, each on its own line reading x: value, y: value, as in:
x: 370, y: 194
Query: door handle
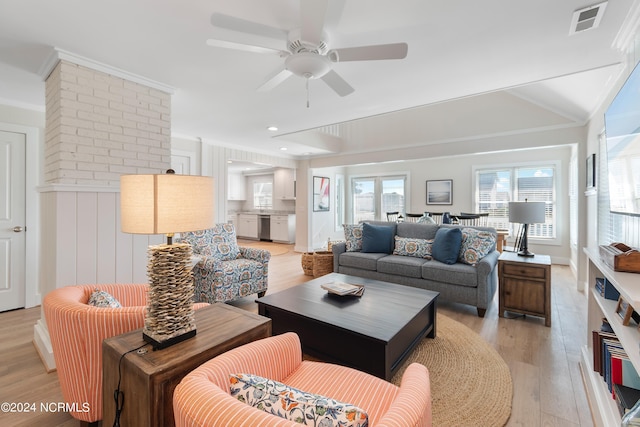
x: 18, y: 229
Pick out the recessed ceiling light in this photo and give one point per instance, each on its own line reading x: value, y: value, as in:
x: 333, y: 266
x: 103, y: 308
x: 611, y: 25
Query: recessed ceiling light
x: 283, y: 148
x: 229, y: 161
x: 272, y: 128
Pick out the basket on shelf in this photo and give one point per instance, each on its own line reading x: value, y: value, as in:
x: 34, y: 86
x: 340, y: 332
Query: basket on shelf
x: 322, y: 263
x: 307, y: 263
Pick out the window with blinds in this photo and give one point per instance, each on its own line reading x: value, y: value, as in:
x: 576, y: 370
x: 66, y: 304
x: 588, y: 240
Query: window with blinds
x: 496, y: 187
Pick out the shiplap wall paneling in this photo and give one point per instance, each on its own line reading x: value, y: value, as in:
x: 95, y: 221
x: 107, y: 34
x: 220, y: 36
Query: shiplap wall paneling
x: 87, y: 242
x: 65, y: 238
x: 106, y: 237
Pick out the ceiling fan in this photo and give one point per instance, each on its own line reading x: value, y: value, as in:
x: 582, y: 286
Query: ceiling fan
x: 307, y: 51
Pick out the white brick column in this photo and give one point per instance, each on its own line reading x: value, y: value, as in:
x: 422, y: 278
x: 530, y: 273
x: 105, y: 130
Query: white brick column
x: 100, y: 124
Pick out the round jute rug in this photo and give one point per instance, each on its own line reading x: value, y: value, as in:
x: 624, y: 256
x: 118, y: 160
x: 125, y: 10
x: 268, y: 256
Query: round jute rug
x: 470, y: 382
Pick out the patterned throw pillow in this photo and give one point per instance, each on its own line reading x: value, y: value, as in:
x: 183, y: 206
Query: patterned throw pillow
x: 103, y: 299
x: 475, y: 245
x: 419, y: 248
x: 295, y: 405
x: 353, y: 236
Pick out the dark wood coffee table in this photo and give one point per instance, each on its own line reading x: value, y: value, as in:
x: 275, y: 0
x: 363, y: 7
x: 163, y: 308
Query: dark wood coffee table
x: 373, y: 333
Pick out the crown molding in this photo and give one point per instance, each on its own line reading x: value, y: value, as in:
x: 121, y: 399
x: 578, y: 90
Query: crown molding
x: 628, y: 30
x: 58, y: 55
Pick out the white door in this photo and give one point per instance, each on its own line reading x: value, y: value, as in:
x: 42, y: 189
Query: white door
x: 12, y: 220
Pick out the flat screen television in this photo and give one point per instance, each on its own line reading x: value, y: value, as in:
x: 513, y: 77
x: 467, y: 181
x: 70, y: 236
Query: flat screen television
x: 622, y: 128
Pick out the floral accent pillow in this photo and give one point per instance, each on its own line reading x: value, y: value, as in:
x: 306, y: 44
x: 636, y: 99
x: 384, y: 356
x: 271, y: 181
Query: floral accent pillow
x: 475, y: 245
x: 295, y: 405
x: 103, y: 299
x: 353, y: 236
x: 419, y: 248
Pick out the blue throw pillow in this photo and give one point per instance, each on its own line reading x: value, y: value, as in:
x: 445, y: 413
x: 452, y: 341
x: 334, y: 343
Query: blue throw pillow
x: 378, y: 238
x: 446, y: 245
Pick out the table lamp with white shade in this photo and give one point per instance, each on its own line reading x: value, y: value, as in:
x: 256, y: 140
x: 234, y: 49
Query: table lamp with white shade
x: 526, y: 213
x: 167, y: 204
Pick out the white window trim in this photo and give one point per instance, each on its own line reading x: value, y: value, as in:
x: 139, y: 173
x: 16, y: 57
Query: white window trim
x: 559, y: 207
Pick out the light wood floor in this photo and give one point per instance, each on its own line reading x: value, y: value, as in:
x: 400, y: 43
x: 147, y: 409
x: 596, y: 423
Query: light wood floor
x: 548, y: 389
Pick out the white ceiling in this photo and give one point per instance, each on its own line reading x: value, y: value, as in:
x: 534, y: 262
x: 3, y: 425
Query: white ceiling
x: 473, y: 68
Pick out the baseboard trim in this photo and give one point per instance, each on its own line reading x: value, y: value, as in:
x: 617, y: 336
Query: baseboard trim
x: 42, y: 343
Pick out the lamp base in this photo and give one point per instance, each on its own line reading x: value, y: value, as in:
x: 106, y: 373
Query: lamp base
x: 159, y: 345
x: 170, y: 318
x: 525, y: 252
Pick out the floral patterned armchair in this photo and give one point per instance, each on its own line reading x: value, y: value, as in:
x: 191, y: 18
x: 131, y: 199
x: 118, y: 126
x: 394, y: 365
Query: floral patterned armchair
x: 226, y: 271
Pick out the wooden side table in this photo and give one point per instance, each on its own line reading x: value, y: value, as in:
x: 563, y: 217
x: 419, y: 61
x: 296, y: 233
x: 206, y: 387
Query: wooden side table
x: 525, y: 285
x: 150, y: 377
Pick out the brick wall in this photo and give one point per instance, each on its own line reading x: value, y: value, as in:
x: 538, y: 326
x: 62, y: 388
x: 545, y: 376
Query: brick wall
x: 99, y: 127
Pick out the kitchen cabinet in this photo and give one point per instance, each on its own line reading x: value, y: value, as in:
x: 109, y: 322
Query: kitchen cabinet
x: 233, y: 220
x: 284, y: 184
x: 247, y: 226
x: 283, y: 228
x: 236, y: 187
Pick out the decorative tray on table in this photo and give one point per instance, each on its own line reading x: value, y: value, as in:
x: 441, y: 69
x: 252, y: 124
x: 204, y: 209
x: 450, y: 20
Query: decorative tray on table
x: 343, y: 289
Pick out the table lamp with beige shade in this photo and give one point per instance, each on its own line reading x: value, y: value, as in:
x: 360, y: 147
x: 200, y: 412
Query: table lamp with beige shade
x: 167, y: 204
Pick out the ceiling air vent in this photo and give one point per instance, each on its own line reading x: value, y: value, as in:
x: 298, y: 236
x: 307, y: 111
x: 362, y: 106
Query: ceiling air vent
x: 587, y: 18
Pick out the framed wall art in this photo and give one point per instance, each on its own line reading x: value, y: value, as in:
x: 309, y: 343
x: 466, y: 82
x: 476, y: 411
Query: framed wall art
x: 321, y: 194
x: 440, y: 192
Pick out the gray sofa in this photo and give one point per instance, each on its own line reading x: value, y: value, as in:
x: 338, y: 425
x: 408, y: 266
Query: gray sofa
x: 463, y: 283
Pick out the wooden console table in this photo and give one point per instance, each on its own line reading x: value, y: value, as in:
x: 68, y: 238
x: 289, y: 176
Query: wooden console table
x: 525, y: 285
x: 150, y: 377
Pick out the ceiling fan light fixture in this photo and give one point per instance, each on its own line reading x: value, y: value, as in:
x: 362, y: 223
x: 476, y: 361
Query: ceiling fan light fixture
x: 308, y: 64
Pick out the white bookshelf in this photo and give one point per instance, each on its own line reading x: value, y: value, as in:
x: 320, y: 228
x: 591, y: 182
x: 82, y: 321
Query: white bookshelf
x: 605, y: 412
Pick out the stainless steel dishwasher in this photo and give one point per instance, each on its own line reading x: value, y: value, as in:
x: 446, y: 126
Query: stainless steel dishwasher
x: 264, y: 232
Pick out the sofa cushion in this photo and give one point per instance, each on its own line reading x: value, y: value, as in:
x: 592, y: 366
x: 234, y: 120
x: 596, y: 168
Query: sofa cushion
x: 402, y: 265
x: 446, y: 245
x: 406, y: 246
x: 417, y: 231
x: 293, y: 404
x: 218, y: 242
x: 365, y: 261
x: 476, y: 244
x: 353, y: 237
x: 103, y: 299
x: 456, y: 274
x: 377, y: 238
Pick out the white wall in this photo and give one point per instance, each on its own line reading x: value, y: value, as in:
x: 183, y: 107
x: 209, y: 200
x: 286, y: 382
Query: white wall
x: 460, y: 170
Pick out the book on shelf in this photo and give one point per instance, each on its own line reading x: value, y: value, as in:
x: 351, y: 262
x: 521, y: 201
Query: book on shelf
x: 342, y: 288
x: 626, y: 397
x: 611, y: 361
x: 606, y: 289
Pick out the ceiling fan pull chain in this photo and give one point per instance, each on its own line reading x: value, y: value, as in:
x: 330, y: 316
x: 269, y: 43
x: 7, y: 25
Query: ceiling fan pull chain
x: 307, y: 84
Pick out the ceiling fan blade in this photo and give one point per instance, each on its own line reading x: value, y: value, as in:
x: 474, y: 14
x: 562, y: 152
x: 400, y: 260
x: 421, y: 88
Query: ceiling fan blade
x: 312, y: 13
x: 275, y: 79
x: 337, y: 83
x: 242, y: 46
x: 244, y: 26
x: 369, y: 53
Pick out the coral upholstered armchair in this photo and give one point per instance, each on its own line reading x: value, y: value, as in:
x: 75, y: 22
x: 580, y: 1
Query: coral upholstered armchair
x: 203, y: 397
x: 77, y: 330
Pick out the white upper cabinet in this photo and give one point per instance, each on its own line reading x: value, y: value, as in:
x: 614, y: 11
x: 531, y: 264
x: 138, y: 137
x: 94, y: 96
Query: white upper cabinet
x: 284, y: 184
x: 236, y: 187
